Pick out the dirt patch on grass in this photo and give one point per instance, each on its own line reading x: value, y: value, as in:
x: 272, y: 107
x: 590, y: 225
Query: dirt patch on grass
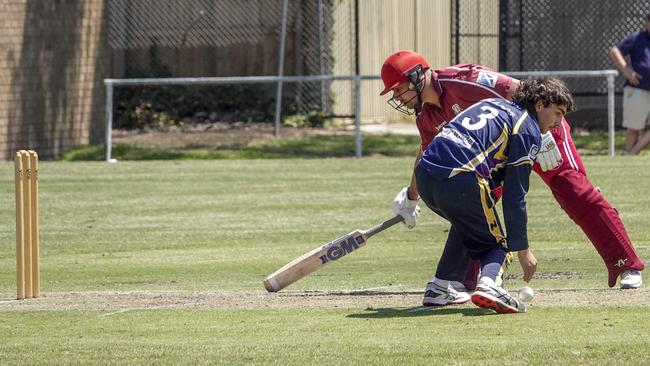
x: 548, y: 276
x: 217, y: 135
x: 115, y: 302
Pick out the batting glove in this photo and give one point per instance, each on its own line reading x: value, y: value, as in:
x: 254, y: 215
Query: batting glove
x: 406, y: 208
x: 549, y: 157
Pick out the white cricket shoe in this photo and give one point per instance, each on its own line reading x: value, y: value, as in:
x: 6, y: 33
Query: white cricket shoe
x: 458, y: 286
x: 497, y: 299
x: 631, y: 279
x: 436, y: 295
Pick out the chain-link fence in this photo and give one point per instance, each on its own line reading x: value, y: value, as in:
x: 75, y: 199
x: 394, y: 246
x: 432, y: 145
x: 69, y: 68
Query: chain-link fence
x: 569, y: 35
x: 475, y: 32
x: 204, y: 38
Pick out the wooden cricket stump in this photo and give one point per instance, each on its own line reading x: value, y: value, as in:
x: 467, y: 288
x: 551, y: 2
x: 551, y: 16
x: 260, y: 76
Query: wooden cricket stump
x: 28, y: 282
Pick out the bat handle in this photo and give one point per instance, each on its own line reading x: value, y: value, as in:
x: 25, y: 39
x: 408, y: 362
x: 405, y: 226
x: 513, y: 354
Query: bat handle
x: 383, y: 226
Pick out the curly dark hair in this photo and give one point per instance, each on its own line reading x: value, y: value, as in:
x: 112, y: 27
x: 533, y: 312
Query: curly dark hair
x: 547, y: 90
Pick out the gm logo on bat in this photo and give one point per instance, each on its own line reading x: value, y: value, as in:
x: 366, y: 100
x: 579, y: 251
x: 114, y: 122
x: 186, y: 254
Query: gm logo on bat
x: 339, y: 249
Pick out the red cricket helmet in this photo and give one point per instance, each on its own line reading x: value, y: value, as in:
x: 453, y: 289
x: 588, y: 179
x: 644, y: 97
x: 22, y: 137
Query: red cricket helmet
x: 397, y: 66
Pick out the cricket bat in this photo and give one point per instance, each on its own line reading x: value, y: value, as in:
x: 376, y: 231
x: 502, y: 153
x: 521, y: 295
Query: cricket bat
x: 323, y: 255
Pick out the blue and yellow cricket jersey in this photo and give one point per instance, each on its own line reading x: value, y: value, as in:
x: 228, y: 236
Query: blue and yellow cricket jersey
x: 497, y: 141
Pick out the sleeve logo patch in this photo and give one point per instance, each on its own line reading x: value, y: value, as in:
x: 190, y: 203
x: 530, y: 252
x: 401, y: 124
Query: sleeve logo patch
x: 533, y: 151
x: 487, y: 79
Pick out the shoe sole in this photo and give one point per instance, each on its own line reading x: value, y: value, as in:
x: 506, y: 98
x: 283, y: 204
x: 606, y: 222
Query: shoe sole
x: 631, y: 286
x: 486, y: 301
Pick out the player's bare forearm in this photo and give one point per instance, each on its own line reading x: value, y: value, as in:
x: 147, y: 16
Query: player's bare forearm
x: 528, y: 263
x: 413, y: 189
x: 618, y: 59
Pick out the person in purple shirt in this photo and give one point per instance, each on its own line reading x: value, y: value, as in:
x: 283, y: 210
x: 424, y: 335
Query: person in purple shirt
x: 636, y: 94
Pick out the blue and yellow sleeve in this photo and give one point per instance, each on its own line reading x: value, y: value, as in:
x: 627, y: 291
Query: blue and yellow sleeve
x: 523, y: 147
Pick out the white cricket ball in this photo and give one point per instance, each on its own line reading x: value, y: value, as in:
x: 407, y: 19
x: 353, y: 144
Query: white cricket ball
x: 526, y: 294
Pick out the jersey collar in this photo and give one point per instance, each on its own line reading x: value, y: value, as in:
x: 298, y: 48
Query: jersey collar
x: 435, y: 82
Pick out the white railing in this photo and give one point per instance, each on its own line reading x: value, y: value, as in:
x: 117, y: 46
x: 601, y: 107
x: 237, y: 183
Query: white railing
x: 112, y: 83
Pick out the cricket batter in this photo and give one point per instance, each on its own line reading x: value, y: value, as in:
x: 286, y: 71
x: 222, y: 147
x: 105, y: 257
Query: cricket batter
x: 493, y: 142
x: 438, y: 96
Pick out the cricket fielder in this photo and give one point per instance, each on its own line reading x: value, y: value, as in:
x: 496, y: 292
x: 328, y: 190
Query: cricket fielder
x: 438, y: 96
x: 492, y: 143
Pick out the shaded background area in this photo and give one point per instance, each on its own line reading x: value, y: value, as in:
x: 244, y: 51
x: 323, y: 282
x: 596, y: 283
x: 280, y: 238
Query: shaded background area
x: 570, y: 35
x: 203, y: 38
x: 52, y: 94
x: 55, y: 54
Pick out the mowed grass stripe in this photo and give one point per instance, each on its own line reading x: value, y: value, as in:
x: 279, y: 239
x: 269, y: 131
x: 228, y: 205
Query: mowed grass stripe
x: 590, y: 335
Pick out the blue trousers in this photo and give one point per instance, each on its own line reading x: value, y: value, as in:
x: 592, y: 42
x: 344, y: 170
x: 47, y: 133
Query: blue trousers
x: 465, y: 200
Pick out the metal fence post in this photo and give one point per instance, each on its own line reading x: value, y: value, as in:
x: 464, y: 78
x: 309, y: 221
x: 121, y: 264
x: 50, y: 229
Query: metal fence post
x: 278, y: 98
x: 357, y: 116
x: 109, y: 121
x: 610, y: 113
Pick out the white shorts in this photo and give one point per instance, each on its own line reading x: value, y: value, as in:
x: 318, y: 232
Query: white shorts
x: 636, y: 108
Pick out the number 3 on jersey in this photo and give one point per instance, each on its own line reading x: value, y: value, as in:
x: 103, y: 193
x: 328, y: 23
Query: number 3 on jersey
x: 489, y: 113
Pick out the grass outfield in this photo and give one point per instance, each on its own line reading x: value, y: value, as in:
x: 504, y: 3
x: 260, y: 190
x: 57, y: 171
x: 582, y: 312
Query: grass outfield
x: 162, y: 263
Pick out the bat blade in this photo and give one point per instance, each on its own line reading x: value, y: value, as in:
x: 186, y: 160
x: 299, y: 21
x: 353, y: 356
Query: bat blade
x: 314, y: 260
x: 323, y: 255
